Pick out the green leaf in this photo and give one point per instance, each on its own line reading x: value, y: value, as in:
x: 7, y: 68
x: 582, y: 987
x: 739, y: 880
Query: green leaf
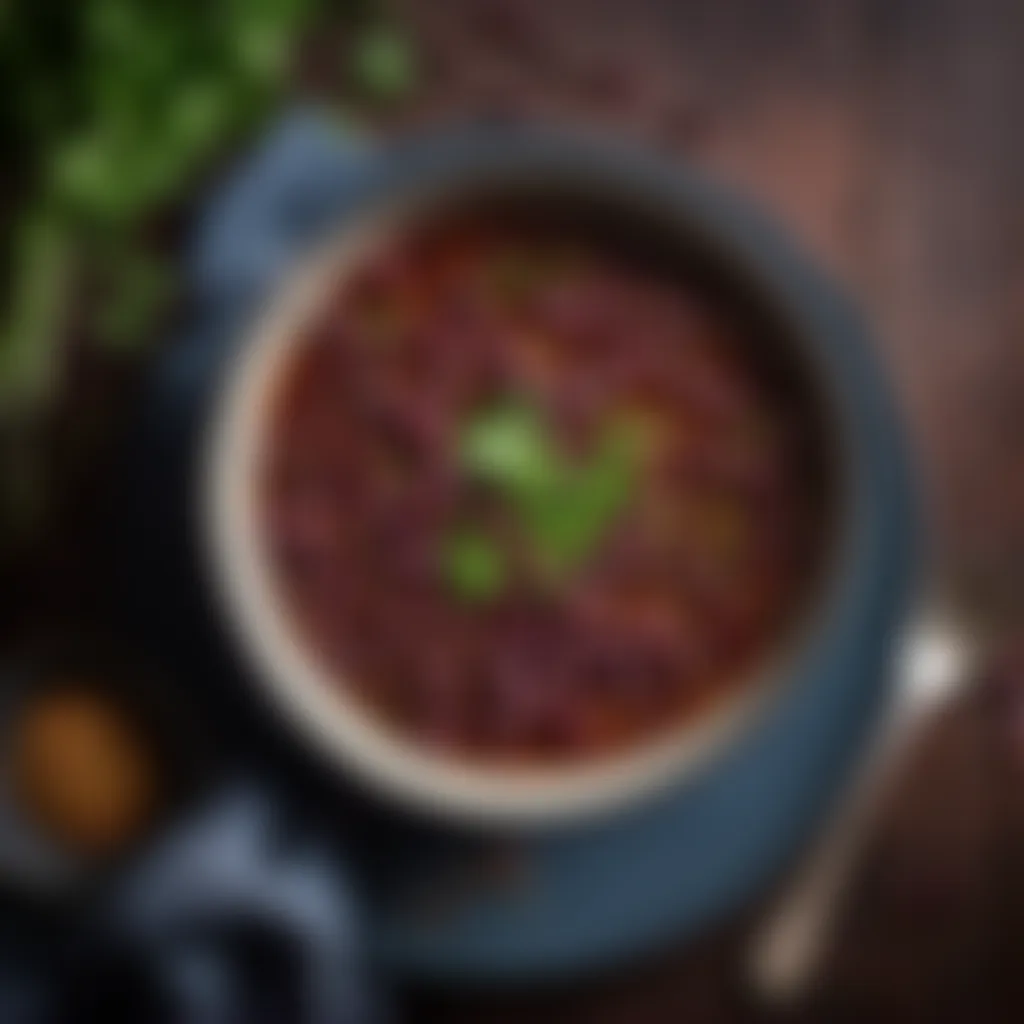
x: 262, y: 50
x: 140, y: 286
x: 588, y: 502
x: 81, y: 172
x: 508, y: 446
x: 473, y: 566
x: 383, y: 63
x: 564, y: 509
x: 111, y: 24
x: 38, y: 297
x: 199, y: 112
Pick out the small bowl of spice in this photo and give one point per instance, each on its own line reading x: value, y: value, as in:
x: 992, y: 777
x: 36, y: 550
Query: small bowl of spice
x: 93, y: 762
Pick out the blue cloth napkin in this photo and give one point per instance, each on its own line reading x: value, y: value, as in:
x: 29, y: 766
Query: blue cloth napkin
x: 238, y: 917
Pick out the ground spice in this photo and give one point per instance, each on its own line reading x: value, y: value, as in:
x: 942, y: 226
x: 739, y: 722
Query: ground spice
x: 84, y: 770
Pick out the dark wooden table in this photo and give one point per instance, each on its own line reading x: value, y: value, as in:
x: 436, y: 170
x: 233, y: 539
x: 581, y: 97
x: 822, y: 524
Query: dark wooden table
x: 886, y: 134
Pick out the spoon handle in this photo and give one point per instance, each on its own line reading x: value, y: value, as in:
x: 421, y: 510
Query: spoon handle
x: 934, y: 661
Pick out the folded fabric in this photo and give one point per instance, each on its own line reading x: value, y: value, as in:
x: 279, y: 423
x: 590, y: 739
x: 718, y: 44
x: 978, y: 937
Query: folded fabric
x: 236, y: 918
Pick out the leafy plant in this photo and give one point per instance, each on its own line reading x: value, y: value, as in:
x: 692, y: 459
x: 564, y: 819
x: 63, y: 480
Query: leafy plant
x: 108, y: 108
x: 37, y: 291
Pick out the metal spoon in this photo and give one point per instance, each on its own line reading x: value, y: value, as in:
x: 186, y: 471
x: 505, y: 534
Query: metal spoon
x: 935, y: 661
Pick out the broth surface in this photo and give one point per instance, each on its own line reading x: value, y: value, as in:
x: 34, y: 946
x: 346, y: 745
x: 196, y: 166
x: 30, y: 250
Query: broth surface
x: 531, y: 497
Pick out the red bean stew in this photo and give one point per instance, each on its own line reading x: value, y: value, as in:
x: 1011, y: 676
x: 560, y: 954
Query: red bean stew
x: 534, y: 498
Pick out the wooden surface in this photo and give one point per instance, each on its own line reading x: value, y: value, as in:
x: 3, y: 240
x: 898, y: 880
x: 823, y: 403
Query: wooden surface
x: 885, y: 134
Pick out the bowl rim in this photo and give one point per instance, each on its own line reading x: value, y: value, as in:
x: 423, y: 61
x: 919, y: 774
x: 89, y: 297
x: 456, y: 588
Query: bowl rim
x: 349, y: 737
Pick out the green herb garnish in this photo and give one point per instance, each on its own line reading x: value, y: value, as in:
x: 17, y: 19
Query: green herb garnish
x: 508, y: 447
x: 567, y: 522
x: 564, y: 508
x: 473, y: 566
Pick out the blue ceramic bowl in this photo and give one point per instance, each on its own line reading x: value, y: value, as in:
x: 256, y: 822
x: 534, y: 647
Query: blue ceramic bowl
x: 812, y: 331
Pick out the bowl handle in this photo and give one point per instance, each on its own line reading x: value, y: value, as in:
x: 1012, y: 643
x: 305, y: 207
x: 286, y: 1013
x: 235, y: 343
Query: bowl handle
x: 274, y: 204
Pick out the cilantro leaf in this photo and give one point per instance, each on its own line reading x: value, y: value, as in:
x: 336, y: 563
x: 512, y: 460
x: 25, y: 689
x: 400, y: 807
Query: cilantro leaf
x: 473, y: 566
x: 508, y: 447
x: 569, y: 522
x: 564, y: 508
